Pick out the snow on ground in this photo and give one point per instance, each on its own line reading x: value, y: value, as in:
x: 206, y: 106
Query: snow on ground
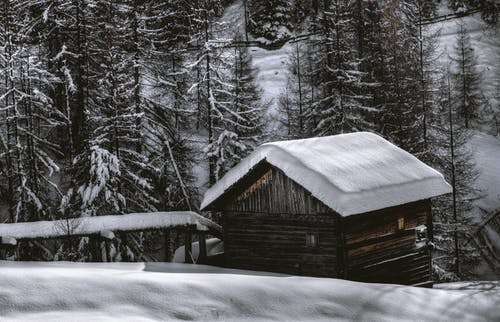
x: 350, y: 173
x: 270, y: 65
x: 272, y: 71
x: 486, y: 149
x: 486, y: 43
x: 173, y: 292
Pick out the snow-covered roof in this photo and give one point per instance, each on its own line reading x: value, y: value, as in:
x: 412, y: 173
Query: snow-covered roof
x: 350, y: 173
x: 105, y: 224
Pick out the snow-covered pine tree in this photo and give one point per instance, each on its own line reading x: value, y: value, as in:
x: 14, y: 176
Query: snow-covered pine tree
x: 239, y: 125
x: 270, y: 20
x: 466, y: 78
x: 367, y: 18
x: 428, y: 72
x: 297, y: 97
x: 401, y: 114
x: 166, y: 33
x: 112, y: 175
x: 338, y: 104
x: 453, y: 213
x: 489, y: 8
x: 212, y: 86
x: 29, y: 117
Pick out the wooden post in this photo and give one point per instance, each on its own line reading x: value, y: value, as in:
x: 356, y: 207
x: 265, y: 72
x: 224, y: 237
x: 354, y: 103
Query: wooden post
x: 168, y: 246
x: 202, y: 244
x: 108, y: 250
x: 102, y: 248
x: 187, y: 246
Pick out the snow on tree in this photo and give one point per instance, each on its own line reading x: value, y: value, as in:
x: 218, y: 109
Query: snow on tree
x: 269, y: 19
x: 243, y: 126
x: 338, y: 106
x: 454, y: 214
x: 298, y: 95
x: 467, y: 78
x: 28, y: 118
x: 401, y: 116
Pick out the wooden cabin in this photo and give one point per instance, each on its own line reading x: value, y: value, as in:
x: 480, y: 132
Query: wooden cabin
x: 350, y: 206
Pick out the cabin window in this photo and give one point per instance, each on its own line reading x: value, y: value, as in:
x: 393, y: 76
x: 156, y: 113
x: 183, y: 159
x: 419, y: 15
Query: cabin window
x: 401, y: 223
x: 312, y: 240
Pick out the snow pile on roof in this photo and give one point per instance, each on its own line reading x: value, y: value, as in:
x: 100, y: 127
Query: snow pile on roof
x: 182, y: 292
x: 351, y: 173
x: 98, y: 224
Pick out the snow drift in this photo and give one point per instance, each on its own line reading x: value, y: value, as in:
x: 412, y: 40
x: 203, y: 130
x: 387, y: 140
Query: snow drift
x: 169, y: 292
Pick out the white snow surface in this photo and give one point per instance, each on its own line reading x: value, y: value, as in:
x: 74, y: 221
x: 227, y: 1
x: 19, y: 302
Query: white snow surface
x: 178, y: 292
x: 486, y: 149
x: 106, y: 224
x: 215, y: 246
x: 350, y: 173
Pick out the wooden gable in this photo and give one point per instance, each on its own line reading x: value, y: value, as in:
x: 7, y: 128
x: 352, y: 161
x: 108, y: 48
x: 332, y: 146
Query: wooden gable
x: 266, y: 189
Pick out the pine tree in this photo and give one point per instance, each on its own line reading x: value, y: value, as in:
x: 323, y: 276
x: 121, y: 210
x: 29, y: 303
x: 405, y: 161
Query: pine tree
x: 295, y: 101
x: 367, y: 18
x: 240, y: 125
x: 401, y: 114
x: 29, y: 118
x: 338, y: 106
x: 270, y: 19
x: 489, y: 8
x: 454, y: 259
x: 467, y: 79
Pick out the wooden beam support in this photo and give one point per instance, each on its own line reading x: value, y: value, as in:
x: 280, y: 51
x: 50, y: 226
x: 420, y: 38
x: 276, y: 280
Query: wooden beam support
x: 202, y: 243
x: 188, y: 258
x: 168, y: 245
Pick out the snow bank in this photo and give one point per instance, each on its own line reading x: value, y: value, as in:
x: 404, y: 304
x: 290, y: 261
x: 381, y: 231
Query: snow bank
x: 107, y: 224
x: 486, y: 149
x: 172, y: 292
x: 351, y: 173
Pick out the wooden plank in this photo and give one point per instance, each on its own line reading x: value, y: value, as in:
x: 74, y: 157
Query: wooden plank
x: 202, y: 243
x: 188, y: 246
x: 167, y: 245
x: 267, y: 189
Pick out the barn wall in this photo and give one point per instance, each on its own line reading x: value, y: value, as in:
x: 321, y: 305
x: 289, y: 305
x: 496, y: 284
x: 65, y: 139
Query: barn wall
x: 377, y: 251
x: 269, y: 190
x: 266, y: 222
x: 277, y: 243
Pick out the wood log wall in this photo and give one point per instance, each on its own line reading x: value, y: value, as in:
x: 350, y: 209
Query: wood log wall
x: 377, y: 250
x: 277, y: 243
x: 267, y: 218
x: 266, y: 223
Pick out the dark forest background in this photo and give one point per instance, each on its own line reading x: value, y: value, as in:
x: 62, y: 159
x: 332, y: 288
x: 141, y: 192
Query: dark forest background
x: 107, y: 105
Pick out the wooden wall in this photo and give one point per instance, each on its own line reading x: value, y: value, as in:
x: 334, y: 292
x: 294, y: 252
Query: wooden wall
x: 266, y: 222
x: 269, y: 190
x: 376, y: 250
x: 267, y: 217
x: 277, y: 243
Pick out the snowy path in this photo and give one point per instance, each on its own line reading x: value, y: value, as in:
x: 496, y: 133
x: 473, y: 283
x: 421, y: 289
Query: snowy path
x: 271, y: 66
x: 173, y: 292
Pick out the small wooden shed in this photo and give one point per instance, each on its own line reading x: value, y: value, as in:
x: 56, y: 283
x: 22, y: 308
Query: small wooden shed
x: 350, y: 206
